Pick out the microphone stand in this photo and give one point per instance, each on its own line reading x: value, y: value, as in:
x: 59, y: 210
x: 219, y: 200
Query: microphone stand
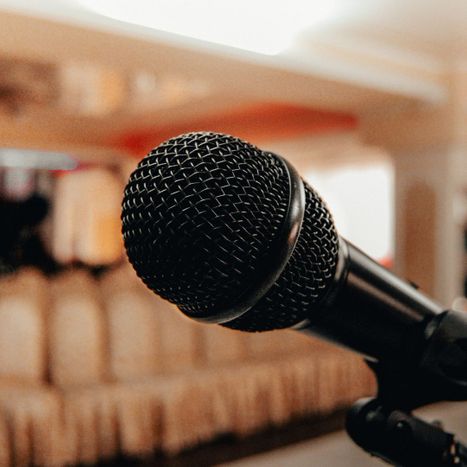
x: 402, y: 439
x: 385, y: 427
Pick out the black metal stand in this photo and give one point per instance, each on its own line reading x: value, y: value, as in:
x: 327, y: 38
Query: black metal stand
x: 402, y: 439
x: 385, y: 427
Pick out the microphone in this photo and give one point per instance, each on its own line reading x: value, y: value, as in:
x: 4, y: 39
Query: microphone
x: 232, y: 235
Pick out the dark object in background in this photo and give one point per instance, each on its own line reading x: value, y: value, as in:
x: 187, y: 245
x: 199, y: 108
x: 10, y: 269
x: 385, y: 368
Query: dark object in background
x: 20, y: 242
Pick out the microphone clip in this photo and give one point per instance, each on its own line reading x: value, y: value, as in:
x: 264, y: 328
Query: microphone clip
x: 385, y: 427
x: 402, y: 439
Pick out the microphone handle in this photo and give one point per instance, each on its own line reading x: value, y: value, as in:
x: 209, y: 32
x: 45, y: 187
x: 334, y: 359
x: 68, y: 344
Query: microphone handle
x: 372, y: 311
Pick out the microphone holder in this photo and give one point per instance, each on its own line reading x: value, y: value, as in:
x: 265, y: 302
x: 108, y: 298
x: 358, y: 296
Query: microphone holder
x: 385, y: 427
x: 402, y: 439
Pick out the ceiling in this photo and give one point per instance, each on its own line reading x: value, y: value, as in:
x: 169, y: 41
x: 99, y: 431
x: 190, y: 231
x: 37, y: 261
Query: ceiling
x: 437, y: 27
x: 329, y: 35
x: 359, y: 57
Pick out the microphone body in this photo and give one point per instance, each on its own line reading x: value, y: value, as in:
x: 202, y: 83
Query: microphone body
x: 371, y: 310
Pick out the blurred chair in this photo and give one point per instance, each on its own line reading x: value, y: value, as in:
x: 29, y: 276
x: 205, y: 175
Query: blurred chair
x: 92, y: 369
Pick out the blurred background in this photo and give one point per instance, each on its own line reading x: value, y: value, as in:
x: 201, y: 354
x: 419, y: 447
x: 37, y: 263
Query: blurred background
x: 368, y: 99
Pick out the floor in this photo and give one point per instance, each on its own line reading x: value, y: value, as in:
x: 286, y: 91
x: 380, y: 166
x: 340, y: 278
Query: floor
x: 337, y: 450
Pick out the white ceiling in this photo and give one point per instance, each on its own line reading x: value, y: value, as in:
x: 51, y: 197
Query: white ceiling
x: 339, y: 40
x: 362, y: 55
x: 435, y: 27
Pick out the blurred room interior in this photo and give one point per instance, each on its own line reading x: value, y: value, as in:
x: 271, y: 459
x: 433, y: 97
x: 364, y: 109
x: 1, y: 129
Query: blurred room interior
x: 368, y: 99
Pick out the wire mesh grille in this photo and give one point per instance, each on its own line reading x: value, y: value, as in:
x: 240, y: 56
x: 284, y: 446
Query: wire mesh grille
x: 200, y: 213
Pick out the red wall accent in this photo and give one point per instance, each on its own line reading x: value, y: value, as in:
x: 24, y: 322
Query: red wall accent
x: 255, y: 123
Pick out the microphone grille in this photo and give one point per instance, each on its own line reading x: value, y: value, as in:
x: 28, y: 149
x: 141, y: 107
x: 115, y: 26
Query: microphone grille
x: 305, y: 279
x: 200, y: 213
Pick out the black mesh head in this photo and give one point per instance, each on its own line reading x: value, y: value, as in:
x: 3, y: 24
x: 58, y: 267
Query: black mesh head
x: 200, y: 213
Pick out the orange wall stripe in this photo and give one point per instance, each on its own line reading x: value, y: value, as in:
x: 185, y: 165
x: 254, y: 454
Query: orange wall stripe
x: 261, y: 122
